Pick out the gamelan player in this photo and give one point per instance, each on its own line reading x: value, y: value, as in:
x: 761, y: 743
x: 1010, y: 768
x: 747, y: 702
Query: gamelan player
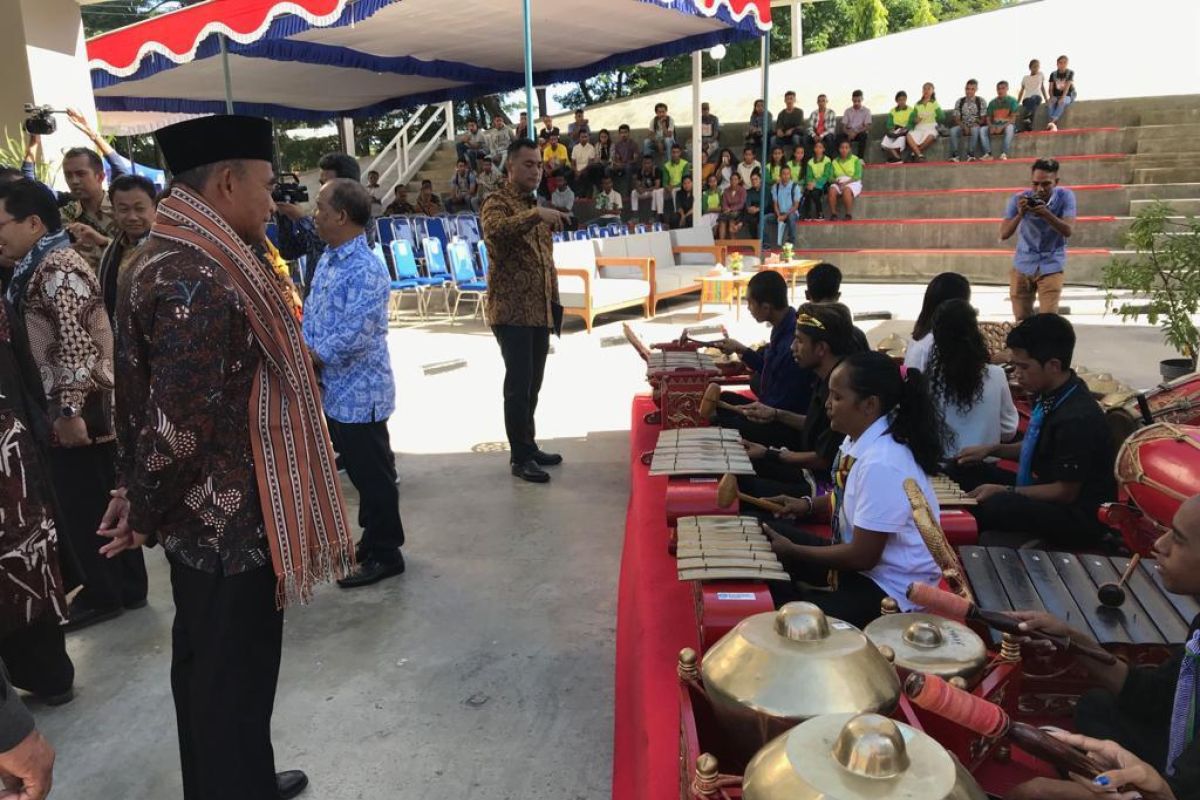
x: 893, y: 433
x: 1151, y: 711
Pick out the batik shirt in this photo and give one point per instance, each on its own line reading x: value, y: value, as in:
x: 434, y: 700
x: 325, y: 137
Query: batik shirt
x: 104, y: 222
x: 522, y: 282
x: 346, y: 325
x: 186, y: 362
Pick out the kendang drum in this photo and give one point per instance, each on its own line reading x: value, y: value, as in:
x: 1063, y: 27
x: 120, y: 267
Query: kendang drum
x: 1176, y: 401
x: 1158, y: 467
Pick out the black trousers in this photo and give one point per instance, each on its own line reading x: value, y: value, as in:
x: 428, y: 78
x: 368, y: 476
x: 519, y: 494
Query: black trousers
x: 36, y: 658
x: 857, y: 599
x: 1062, y: 526
x: 812, y: 202
x: 226, y: 642
x: 771, y: 434
x: 858, y: 143
x: 83, y: 477
x: 366, y: 452
x: 524, y: 349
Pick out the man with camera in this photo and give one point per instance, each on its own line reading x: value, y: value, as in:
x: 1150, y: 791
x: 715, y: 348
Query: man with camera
x: 298, y: 237
x: 1042, y: 218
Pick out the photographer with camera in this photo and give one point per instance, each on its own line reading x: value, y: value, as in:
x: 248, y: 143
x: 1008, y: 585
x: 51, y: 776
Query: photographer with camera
x: 298, y: 237
x: 1042, y: 218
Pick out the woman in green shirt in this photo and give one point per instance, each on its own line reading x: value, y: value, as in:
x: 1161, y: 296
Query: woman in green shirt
x: 798, y: 162
x: 899, y: 122
x: 710, y: 201
x: 845, y: 180
x: 927, y: 115
x: 777, y: 163
x: 817, y: 174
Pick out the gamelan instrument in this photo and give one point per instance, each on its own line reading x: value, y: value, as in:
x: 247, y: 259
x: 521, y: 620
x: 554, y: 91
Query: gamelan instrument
x: 778, y: 669
x: 992, y: 722
x: 854, y: 757
x: 725, y: 548
x: 1176, y: 401
x: 1113, y: 594
x: 954, y: 607
x: 728, y: 491
x: 700, y: 451
x: 936, y: 542
x: 949, y: 493
x: 711, y: 401
x: 995, y: 336
x: 676, y: 384
x: 919, y: 642
x: 1158, y: 467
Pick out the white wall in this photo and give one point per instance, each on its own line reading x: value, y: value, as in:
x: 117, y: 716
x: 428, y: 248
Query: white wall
x: 43, y: 60
x: 1117, y: 48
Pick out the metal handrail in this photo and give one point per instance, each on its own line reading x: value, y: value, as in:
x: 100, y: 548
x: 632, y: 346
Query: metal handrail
x: 402, y: 158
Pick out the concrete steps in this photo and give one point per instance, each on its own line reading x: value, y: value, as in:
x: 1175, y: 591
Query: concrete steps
x: 1174, y: 132
x: 1188, y: 206
x: 1181, y: 110
x: 941, y: 234
x: 986, y: 266
x: 1167, y: 174
x: 1100, y: 169
x: 1110, y: 200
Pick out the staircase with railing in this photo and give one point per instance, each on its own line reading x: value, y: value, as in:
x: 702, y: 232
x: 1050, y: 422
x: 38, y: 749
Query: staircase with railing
x: 401, y: 159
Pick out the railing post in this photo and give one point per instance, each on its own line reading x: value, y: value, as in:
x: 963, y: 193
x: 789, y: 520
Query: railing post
x: 449, y: 120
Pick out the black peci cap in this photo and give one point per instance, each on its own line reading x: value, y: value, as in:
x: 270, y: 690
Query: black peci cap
x: 221, y: 137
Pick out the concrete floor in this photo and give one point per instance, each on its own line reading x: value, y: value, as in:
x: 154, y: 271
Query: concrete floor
x: 486, y: 670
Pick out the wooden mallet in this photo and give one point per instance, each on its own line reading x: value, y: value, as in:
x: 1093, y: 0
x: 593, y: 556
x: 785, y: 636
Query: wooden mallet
x: 727, y: 492
x: 1113, y: 594
x: 711, y: 401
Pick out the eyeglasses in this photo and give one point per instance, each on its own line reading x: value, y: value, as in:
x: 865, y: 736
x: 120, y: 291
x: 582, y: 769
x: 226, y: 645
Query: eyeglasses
x: 809, y: 321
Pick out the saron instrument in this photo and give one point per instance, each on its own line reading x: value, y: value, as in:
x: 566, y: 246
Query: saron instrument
x: 700, y: 451
x: 725, y: 548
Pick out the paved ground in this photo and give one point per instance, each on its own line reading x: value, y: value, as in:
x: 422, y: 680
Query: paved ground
x: 486, y: 670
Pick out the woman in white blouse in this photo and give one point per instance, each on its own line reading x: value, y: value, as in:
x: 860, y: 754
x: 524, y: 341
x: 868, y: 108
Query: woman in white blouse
x: 973, y: 394
x: 943, y: 287
x: 893, y: 433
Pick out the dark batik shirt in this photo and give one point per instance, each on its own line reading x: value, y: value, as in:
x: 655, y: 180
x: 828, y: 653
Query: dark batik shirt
x: 185, y: 364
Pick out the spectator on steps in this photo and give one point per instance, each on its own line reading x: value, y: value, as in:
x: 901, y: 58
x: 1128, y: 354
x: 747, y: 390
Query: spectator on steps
x: 899, y: 122
x: 608, y: 200
x: 1062, y: 92
x: 733, y: 207
x: 604, y: 147
x: 463, y: 190
x: 822, y: 124
x: 774, y: 167
x: 624, y: 158
x: 754, y: 205
x: 789, y: 125
x: 488, y: 179
x: 647, y: 192
x: 471, y: 145
x: 724, y: 168
x: 399, y: 206
x: 496, y: 141
x: 927, y: 115
x: 817, y: 175
x: 710, y: 132
x: 970, y: 121
x: 548, y: 129
x: 1002, y: 117
x: 675, y: 169
x: 376, y: 192
x: 760, y: 122
x: 845, y: 182
x: 555, y: 158
x: 856, y: 122
x: 749, y: 165
x: 662, y: 133
x: 584, y: 158
x: 428, y: 203
x: 577, y: 128
x: 786, y: 197
x: 563, y: 199
x: 1042, y: 218
x: 684, y: 204
x: 798, y: 163
x: 710, y: 202
x: 522, y: 129
x: 1033, y: 92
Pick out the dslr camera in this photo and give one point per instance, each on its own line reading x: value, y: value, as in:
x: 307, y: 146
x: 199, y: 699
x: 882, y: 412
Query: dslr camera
x: 39, y: 120
x: 289, y: 189
x: 1033, y: 201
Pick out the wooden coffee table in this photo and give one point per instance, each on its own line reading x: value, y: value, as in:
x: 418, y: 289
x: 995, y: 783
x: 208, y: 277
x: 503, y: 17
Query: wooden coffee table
x: 737, y: 284
x: 796, y: 268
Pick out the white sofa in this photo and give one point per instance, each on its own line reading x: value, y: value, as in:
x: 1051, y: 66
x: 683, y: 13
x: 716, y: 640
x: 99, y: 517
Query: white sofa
x: 590, y: 285
x: 681, y: 257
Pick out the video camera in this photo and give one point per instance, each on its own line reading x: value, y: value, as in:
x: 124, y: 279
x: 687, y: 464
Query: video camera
x: 289, y: 189
x: 39, y: 120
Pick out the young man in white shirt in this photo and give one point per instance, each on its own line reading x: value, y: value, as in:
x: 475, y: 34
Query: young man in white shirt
x: 748, y: 166
x: 583, y: 156
x: 608, y: 200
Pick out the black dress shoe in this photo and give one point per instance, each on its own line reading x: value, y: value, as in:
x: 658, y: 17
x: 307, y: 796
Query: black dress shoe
x: 371, y: 571
x: 80, y: 617
x: 545, y: 459
x: 60, y: 699
x: 133, y: 605
x: 530, y: 471
x: 290, y: 783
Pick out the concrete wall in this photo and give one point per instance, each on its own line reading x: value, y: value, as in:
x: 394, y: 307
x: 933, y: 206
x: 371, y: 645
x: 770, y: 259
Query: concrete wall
x: 1117, y: 49
x: 43, y: 60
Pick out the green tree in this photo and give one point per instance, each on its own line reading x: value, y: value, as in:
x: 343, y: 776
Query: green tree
x: 109, y: 15
x: 924, y: 14
x: 870, y: 19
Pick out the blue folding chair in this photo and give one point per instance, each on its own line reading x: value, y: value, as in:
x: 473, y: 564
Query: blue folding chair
x: 597, y: 231
x: 639, y: 228
x: 556, y: 236
x: 466, y: 282
x: 439, y: 228
x: 408, y: 279
x: 617, y: 229
x: 581, y: 236
x: 484, y: 263
x: 468, y: 229
x: 658, y: 227
x: 436, y: 271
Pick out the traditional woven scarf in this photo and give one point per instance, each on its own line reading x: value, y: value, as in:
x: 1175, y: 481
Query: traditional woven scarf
x: 1183, y: 716
x: 1042, y: 409
x: 297, y: 481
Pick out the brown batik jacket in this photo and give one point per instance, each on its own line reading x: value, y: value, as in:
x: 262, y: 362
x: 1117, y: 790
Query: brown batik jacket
x: 522, y: 283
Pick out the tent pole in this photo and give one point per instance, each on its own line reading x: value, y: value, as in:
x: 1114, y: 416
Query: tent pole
x: 225, y: 69
x: 528, y: 73
x: 766, y: 139
x: 697, y: 141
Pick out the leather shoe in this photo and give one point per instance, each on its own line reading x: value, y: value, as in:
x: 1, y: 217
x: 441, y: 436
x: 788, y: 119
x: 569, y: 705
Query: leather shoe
x: 530, y: 471
x: 371, y: 571
x: 545, y: 459
x: 291, y: 783
x: 80, y: 617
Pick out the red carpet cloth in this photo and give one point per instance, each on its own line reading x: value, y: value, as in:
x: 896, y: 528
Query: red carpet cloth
x: 654, y: 621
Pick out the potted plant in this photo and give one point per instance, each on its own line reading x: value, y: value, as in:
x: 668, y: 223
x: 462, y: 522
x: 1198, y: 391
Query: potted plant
x: 1164, y: 277
x: 788, y: 251
x: 735, y: 263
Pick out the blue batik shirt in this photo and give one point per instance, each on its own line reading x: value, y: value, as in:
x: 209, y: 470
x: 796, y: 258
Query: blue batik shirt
x: 1041, y: 250
x: 346, y: 325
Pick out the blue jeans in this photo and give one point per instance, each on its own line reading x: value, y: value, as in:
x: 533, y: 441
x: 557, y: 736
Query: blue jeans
x: 976, y: 134
x: 788, y: 143
x: 1030, y: 104
x: 1058, y: 106
x: 985, y: 135
x: 788, y: 228
x: 649, y: 149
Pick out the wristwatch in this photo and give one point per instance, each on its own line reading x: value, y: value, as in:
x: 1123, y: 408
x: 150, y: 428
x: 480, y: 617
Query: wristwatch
x: 67, y: 412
